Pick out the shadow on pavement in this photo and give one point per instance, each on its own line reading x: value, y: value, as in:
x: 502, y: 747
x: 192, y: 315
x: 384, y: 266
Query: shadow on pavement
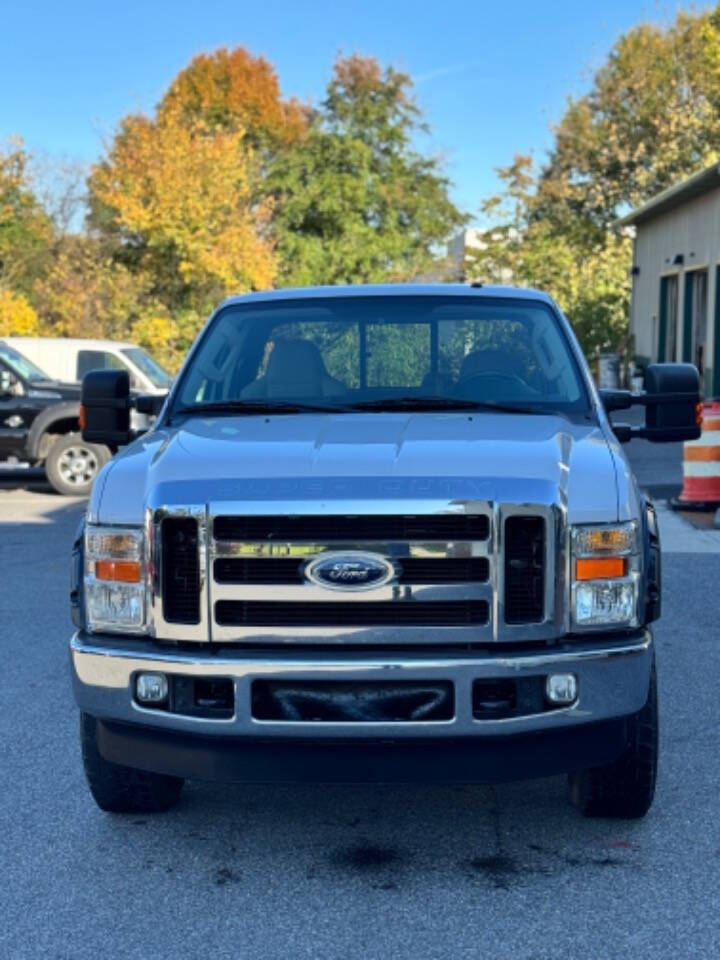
x: 31, y: 479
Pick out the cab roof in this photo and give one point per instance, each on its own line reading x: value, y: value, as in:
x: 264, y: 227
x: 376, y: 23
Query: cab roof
x: 392, y: 290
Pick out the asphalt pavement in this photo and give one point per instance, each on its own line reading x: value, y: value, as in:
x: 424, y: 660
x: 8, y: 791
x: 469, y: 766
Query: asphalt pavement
x: 510, y: 872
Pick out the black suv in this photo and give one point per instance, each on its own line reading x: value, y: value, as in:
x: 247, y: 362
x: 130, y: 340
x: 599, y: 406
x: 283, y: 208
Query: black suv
x: 39, y: 425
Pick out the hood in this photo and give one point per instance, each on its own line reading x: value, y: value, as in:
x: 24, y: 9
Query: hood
x: 67, y: 391
x: 341, y: 457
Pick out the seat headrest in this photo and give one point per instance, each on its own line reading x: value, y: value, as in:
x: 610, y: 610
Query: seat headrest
x: 295, y: 364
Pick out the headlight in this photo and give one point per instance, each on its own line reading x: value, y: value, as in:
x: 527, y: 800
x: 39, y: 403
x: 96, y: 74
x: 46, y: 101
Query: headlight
x: 605, y: 575
x: 115, y: 579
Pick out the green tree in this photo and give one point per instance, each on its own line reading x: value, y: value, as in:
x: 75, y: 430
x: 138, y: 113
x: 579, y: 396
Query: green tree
x: 587, y: 275
x: 651, y: 118
x: 354, y: 200
x: 26, y: 230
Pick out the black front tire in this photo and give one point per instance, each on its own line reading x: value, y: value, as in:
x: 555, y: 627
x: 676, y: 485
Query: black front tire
x: 625, y: 788
x: 72, y: 465
x: 120, y: 789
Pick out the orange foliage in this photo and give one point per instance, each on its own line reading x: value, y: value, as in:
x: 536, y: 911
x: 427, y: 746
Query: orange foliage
x: 186, y: 194
x: 231, y: 88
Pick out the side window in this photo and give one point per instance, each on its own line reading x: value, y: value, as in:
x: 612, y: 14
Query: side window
x: 88, y: 360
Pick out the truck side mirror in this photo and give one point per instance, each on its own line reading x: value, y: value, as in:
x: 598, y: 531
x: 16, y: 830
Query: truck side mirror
x: 672, y: 395
x: 7, y: 383
x: 105, y: 413
x: 671, y: 402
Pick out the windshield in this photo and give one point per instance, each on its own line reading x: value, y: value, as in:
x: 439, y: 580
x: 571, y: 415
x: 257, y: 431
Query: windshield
x: 19, y: 365
x: 151, y: 368
x: 380, y: 352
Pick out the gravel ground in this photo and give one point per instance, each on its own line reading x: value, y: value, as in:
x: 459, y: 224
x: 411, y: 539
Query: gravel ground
x: 343, y: 872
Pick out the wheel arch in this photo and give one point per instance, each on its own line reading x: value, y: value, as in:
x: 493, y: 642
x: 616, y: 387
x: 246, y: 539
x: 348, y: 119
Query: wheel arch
x: 60, y: 415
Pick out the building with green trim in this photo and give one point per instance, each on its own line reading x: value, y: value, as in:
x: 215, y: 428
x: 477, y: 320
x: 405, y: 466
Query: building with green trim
x: 675, y: 309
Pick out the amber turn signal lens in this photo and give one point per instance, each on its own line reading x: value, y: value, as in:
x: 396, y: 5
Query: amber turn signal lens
x: 122, y: 571
x: 599, y: 568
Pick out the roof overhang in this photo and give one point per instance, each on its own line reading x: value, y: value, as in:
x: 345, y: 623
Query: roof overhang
x: 695, y: 186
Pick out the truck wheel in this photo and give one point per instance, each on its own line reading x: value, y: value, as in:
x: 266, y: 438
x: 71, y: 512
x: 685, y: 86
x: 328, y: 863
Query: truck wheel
x: 119, y: 789
x: 626, y: 787
x: 72, y: 465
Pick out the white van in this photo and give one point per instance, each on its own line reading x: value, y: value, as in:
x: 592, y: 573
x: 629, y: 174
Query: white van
x: 68, y: 360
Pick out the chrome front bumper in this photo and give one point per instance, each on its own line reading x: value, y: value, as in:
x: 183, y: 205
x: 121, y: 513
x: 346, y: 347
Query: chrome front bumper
x: 613, y: 676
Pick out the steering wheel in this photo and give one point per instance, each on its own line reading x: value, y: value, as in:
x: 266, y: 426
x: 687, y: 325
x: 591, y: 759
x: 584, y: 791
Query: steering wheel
x: 512, y: 378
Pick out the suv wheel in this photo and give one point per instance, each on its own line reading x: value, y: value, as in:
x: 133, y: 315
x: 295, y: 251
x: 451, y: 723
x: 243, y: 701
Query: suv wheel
x: 72, y: 465
x: 119, y: 789
x: 626, y: 787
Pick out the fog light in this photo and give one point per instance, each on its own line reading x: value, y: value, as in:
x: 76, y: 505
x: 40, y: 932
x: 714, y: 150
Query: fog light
x: 151, y: 688
x: 561, y: 688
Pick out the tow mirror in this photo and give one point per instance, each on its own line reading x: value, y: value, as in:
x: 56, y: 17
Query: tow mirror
x: 671, y: 400
x: 105, y: 413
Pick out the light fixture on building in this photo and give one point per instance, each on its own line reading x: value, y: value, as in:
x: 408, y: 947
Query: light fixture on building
x: 679, y: 259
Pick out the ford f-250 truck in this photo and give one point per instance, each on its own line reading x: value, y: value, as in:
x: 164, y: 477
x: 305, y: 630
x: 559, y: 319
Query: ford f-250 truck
x: 381, y: 533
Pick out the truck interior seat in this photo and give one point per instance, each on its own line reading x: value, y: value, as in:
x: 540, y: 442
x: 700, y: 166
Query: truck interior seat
x: 295, y: 369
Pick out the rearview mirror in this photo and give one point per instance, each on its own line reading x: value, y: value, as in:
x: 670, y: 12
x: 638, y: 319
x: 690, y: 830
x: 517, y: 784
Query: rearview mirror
x: 105, y: 416
x: 671, y: 399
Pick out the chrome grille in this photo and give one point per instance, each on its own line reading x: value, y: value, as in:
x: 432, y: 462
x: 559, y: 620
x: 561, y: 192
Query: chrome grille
x: 333, y: 527
x: 441, y: 587
x: 412, y: 570
x: 464, y: 574
x: 181, y: 570
x: 375, y: 613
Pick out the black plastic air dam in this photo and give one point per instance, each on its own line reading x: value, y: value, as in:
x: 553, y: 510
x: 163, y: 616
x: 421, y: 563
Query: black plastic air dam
x: 457, y: 760
x: 323, y: 701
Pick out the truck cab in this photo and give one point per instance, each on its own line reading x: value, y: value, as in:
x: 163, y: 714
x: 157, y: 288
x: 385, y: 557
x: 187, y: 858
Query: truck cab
x: 69, y: 358
x: 375, y: 533
x: 39, y: 425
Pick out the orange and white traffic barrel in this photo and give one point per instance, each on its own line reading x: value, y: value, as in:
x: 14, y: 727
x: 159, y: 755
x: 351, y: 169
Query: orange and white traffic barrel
x: 701, y: 463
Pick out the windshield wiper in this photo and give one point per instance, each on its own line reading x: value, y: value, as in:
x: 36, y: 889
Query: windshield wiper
x: 255, y: 407
x: 413, y: 402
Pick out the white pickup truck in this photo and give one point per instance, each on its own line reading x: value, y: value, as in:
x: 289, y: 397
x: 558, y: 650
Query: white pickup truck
x: 375, y: 533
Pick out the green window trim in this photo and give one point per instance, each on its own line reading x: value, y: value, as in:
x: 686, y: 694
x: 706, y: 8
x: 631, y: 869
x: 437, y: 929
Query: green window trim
x: 688, y: 318
x: 662, y: 319
x: 716, y: 347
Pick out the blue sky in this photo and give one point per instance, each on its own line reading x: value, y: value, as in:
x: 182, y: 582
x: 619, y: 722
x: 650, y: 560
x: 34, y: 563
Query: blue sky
x: 491, y: 77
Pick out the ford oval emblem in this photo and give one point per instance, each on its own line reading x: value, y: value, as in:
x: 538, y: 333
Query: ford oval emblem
x: 349, y: 570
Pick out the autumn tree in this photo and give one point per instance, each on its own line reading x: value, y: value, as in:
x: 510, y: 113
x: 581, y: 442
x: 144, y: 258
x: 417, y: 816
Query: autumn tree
x: 354, y: 199
x: 175, y: 203
x: 233, y: 90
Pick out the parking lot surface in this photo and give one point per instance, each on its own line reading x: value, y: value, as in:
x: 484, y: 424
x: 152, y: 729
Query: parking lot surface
x: 510, y: 871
